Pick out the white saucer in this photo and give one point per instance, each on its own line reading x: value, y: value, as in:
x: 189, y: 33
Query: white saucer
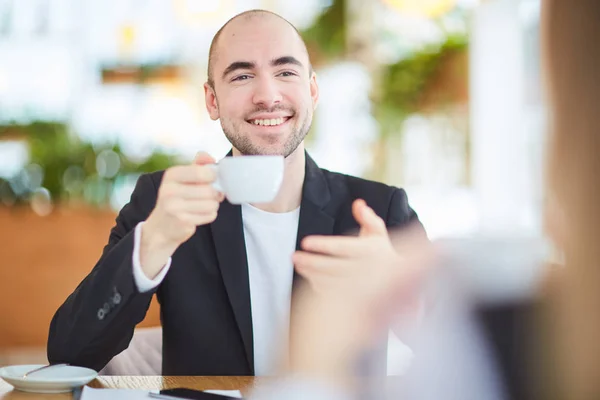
x: 52, y: 380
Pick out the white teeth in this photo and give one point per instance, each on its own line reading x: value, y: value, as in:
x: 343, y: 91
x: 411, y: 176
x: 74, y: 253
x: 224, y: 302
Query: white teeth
x: 268, y: 122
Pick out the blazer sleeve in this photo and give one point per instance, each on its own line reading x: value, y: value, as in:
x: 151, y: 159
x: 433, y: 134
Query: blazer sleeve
x: 97, y: 320
x: 400, y: 213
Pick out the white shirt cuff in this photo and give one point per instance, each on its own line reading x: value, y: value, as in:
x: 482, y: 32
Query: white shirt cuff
x: 143, y: 283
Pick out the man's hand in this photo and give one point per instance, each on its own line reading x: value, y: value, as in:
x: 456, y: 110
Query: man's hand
x: 186, y: 199
x: 356, y: 287
x: 328, y: 260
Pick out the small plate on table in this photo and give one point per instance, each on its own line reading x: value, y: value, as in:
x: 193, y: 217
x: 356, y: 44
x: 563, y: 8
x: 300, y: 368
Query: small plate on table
x: 58, y: 379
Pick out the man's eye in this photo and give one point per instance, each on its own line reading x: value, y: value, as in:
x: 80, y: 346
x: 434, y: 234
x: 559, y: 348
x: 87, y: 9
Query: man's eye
x: 287, y: 73
x: 241, y: 78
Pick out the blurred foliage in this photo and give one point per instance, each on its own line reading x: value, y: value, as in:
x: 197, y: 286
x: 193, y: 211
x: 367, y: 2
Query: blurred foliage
x: 404, y: 83
x: 68, y: 168
x: 326, y: 38
x: 410, y: 85
x: 141, y: 74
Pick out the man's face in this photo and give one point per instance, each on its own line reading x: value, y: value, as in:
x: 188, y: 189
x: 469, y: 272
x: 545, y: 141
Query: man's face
x: 263, y: 92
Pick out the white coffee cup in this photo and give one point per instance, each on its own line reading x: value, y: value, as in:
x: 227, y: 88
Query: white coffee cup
x: 249, y: 179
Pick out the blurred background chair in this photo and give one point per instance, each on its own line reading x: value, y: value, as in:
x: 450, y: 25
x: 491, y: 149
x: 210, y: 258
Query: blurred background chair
x: 142, y: 357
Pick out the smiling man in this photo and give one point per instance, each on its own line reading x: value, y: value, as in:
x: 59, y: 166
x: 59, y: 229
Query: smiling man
x: 261, y: 85
x: 222, y: 273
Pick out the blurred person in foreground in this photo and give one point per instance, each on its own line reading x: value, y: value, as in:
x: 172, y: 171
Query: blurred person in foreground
x: 222, y: 273
x: 532, y: 334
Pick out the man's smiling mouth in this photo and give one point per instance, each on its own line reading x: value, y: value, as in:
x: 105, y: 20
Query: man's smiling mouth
x: 269, y: 121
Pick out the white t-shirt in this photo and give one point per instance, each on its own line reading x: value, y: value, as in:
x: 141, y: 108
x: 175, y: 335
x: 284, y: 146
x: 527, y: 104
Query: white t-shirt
x: 270, y: 242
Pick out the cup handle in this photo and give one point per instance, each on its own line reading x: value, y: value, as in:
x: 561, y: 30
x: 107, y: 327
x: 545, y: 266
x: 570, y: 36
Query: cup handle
x: 217, y: 183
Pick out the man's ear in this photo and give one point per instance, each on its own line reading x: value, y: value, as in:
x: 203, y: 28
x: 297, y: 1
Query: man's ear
x: 314, y: 90
x: 212, y: 105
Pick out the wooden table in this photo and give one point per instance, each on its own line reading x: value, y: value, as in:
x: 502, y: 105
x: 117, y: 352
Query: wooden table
x: 243, y: 383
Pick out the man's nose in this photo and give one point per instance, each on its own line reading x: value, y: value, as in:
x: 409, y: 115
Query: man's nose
x: 267, y: 93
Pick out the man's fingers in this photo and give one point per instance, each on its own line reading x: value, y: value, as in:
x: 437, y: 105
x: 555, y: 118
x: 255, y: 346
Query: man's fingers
x: 180, y: 207
x: 201, y: 207
x: 191, y: 174
x: 308, y: 264
x: 370, y: 223
x: 201, y: 219
x: 192, y: 191
x: 203, y: 158
x: 341, y: 246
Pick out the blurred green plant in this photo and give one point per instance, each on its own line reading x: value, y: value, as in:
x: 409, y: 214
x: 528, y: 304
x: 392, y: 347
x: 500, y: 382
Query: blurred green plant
x: 408, y: 87
x: 66, y: 168
x: 405, y: 83
x: 141, y: 74
x: 403, y: 88
x: 326, y: 38
x: 402, y: 84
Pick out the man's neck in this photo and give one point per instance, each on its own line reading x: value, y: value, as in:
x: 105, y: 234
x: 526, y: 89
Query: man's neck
x: 290, y: 194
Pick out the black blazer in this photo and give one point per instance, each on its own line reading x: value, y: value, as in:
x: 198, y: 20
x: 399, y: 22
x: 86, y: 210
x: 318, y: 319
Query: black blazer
x: 205, y: 297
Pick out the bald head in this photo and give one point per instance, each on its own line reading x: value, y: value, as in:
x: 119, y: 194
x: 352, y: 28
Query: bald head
x: 237, y: 24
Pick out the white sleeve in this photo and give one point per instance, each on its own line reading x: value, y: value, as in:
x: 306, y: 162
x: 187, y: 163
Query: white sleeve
x: 143, y: 283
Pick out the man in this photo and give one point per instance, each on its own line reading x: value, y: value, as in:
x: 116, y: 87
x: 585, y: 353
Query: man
x: 222, y: 273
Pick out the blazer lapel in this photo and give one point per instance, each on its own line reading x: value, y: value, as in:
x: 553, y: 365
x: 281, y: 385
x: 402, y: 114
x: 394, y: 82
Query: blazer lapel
x: 228, y: 235
x: 314, y: 220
